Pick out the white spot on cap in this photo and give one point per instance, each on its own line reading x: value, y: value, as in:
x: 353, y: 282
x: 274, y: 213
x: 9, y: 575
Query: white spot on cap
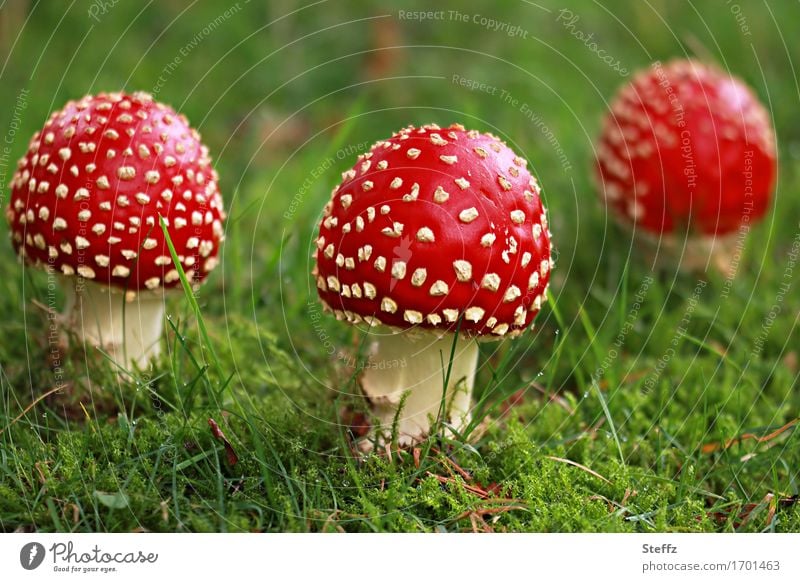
x: 500, y: 329
x: 367, y: 185
x: 369, y: 290
x: 474, y: 314
x: 418, y: 277
x: 396, y: 183
x: 81, y: 243
x: 398, y: 269
x: 439, y: 288
x: 517, y: 216
x: 425, y: 234
x: 451, y: 315
x: 462, y: 183
x: 388, y: 305
x: 411, y: 196
x: 150, y: 243
x: 491, y: 281
x: 126, y: 172
x: 333, y: 284
x: 152, y: 176
x: 395, y: 231
x: 412, y: 316
x: 440, y: 196
x: 86, y: 272
x: 346, y: 200
x: 438, y: 140
x: 468, y: 215
x: 380, y: 264
x: 434, y: 319
x: 488, y: 239
x: 152, y: 283
x: 62, y: 191
x: 102, y: 183
x: 463, y: 270
x: 413, y: 153
x: 59, y: 224
x: 511, y: 294
x: 364, y: 253
x: 449, y: 160
x: 534, y: 280
x: 102, y: 260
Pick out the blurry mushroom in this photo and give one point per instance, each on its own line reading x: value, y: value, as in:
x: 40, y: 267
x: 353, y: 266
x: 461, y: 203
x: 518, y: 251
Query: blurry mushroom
x: 436, y: 238
x: 85, y: 204
x: 687, y: 158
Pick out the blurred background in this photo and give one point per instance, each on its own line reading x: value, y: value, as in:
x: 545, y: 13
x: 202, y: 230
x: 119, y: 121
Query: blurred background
x: 286, y: 94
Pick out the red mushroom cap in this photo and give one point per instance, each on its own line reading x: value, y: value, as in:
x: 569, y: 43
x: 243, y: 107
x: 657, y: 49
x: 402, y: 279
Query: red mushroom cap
x: 435, y: 224
x: 687, y: 145
x: 87, y: 195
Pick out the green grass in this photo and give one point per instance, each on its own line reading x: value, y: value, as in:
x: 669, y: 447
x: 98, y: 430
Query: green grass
x: 644, y: 415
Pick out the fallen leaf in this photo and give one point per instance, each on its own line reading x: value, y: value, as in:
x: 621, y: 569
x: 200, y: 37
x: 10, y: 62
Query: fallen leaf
x: 216, y: 431
x: 712, y: 447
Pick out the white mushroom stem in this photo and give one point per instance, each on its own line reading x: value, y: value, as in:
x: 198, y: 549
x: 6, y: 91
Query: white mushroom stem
x: 129, y: 331
x: 417, y: 363
x: 693, y: 253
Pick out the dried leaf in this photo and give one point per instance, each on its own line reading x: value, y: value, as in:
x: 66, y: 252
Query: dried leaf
x: 713, y: 447
x: 216, y: 431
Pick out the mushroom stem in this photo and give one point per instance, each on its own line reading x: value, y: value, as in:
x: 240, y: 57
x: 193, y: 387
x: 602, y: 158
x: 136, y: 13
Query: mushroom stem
x: 129, y: 331
x: 693, y: 253
x: 417, y: 363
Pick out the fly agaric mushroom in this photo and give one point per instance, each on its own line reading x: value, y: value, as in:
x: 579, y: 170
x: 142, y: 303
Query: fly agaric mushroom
x: 687, y: 157
x: 434, y: 239
x: 86, y: 202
